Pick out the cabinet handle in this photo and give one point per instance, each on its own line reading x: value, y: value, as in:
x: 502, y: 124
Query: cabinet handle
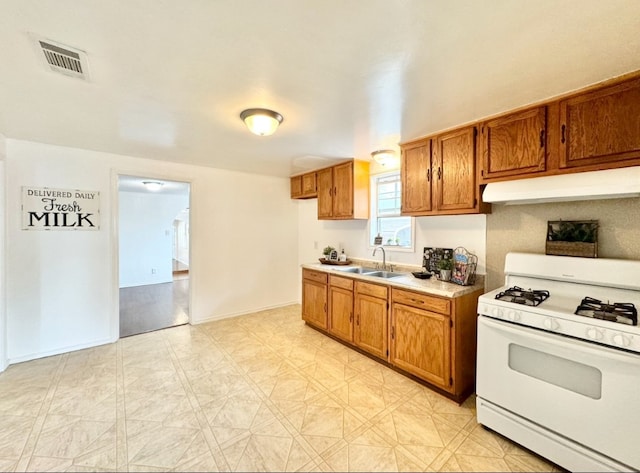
x: 358, y: 319
x: 541, y: 138
x: 393, y: 332
x: 429, y: 175
x: 335, y: 192
x: 351, y: 318
x: 563, y: 129
x: 439, y: 173
x: 418, y: 301
x: 330, y: 191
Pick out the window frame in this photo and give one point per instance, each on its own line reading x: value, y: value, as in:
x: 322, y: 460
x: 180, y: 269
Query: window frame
x: 373, y: 217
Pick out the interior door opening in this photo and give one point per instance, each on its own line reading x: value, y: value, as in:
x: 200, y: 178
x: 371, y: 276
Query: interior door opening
x: 153, y: 242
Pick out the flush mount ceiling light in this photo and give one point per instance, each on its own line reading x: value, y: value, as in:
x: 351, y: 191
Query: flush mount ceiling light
x: 260, y: 121
x: 384, y: 157
x: 153, y: 185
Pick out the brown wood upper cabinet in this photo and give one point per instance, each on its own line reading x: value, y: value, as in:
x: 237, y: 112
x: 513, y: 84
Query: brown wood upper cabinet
x: 514, y: 144
x: 439, y: 174
x: 601, y: 127
x: 416, y: 178
x: 304, y: 186
x: 343, y: 191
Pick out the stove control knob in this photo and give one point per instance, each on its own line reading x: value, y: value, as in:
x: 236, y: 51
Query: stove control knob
x: 550, y: 323
x: 621, y: 340
x: 514, y: 315
x: 497, y: 312
x: 483, y: 309
x: 595, y: 333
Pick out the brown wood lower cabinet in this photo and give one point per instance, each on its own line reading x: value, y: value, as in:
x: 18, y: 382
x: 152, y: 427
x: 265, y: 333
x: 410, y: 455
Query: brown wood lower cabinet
x: 434, y: 338
x: 341, y: 307
x: 429, y: 337
x: 371, y: 311
x: 314, y: 298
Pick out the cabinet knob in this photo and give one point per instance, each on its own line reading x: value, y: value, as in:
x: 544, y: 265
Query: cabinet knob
x: 428, y: 175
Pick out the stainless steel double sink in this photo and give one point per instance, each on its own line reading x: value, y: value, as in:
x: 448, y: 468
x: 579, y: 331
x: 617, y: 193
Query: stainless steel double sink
x: 376, y: 273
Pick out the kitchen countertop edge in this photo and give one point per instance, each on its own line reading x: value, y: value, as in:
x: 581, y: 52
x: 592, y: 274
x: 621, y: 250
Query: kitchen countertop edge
x: 428, y: 286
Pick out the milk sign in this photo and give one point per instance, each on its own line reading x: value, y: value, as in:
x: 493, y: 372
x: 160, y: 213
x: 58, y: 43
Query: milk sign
x: 60, y: 209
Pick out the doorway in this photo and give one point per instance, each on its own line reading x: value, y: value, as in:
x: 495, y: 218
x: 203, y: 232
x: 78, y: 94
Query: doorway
x: 153, y: 242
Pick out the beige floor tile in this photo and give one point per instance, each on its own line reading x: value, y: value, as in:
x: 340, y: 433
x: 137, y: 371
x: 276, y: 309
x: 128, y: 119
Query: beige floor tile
x: 21, y: 399
x: 366, y: 397
x: 38, y: 463
x: 70, y: 436
x: 480, y: 463
x: 259, y: 392
x: 151, y: 444
x: 8, y: 465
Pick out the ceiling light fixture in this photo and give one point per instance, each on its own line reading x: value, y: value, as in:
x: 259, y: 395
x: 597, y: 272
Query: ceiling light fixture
x: 260, y: 121
x: 384, y: 157
x: 153, y: 185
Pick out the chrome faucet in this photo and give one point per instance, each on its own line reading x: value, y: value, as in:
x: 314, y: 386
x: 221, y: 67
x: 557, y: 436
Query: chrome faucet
x: 384, y: 256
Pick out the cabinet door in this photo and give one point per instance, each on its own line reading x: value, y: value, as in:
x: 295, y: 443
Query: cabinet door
x: 415, y: 174
x: 341, y: 313
x: 314, y: 303
x: 324, y: 179
x: 296, y: 187
x: 421, y: 344
x: 343, y: 190
x: 371, y: 325
x: 514, y: 144
x: 454, y: 169
x: 601, y: 127
x: 308, y: 187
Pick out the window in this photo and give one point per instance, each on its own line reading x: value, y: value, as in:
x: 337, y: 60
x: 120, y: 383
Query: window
x: 397, y: 231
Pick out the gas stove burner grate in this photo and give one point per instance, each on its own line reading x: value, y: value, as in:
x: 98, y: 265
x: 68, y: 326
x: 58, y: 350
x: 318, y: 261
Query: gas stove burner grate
x: 621, y: 312
x: 518, y: 295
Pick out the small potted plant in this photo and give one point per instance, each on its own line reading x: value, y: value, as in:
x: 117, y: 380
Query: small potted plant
x: 445, y: 266
x: 327, y: 251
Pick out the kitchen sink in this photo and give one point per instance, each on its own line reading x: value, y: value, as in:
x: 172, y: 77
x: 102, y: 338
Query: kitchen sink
x: 384, y: 274
x: 361, y: 270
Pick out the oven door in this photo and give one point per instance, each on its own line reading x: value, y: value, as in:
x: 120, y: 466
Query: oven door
x: 585, y: 392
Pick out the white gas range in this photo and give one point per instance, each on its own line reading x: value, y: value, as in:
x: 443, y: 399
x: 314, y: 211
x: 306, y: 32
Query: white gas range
x: 559, y: 359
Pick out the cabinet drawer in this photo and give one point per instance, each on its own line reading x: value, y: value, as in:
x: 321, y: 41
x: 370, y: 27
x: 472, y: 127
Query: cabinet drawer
x: 344, y: 283
x: 314, y: 276
x: 422, y: 301
x: 373, y: 290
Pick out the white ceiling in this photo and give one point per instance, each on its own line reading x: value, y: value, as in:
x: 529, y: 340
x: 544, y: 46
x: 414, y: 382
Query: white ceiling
x: 170, y: 78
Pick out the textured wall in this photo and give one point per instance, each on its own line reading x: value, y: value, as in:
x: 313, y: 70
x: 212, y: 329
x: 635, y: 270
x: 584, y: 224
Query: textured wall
x: 523, y: 228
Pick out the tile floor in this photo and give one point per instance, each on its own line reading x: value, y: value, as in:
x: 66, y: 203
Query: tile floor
x: 260, y: 392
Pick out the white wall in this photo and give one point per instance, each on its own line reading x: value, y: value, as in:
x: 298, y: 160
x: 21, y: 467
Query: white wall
x: 61, y: 286
x: 3, y: 318
x: 146, y: 236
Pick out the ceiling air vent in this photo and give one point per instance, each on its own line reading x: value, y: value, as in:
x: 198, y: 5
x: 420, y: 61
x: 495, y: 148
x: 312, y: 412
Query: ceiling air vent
x: 59, y: 58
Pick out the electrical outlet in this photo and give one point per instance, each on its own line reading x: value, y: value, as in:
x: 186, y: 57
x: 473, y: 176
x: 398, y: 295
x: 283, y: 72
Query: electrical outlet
x: 153, y: 270
x: 315, y: 245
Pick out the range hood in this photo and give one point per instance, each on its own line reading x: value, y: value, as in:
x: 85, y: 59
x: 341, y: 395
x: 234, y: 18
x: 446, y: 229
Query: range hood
x: 593, y: 185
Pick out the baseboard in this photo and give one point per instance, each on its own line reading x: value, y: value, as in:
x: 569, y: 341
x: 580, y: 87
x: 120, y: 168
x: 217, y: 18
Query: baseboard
x: 59, y: 351
x: 237, y: 314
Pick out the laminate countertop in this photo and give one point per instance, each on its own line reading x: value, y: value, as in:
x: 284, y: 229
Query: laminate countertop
x: 431, y: 286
